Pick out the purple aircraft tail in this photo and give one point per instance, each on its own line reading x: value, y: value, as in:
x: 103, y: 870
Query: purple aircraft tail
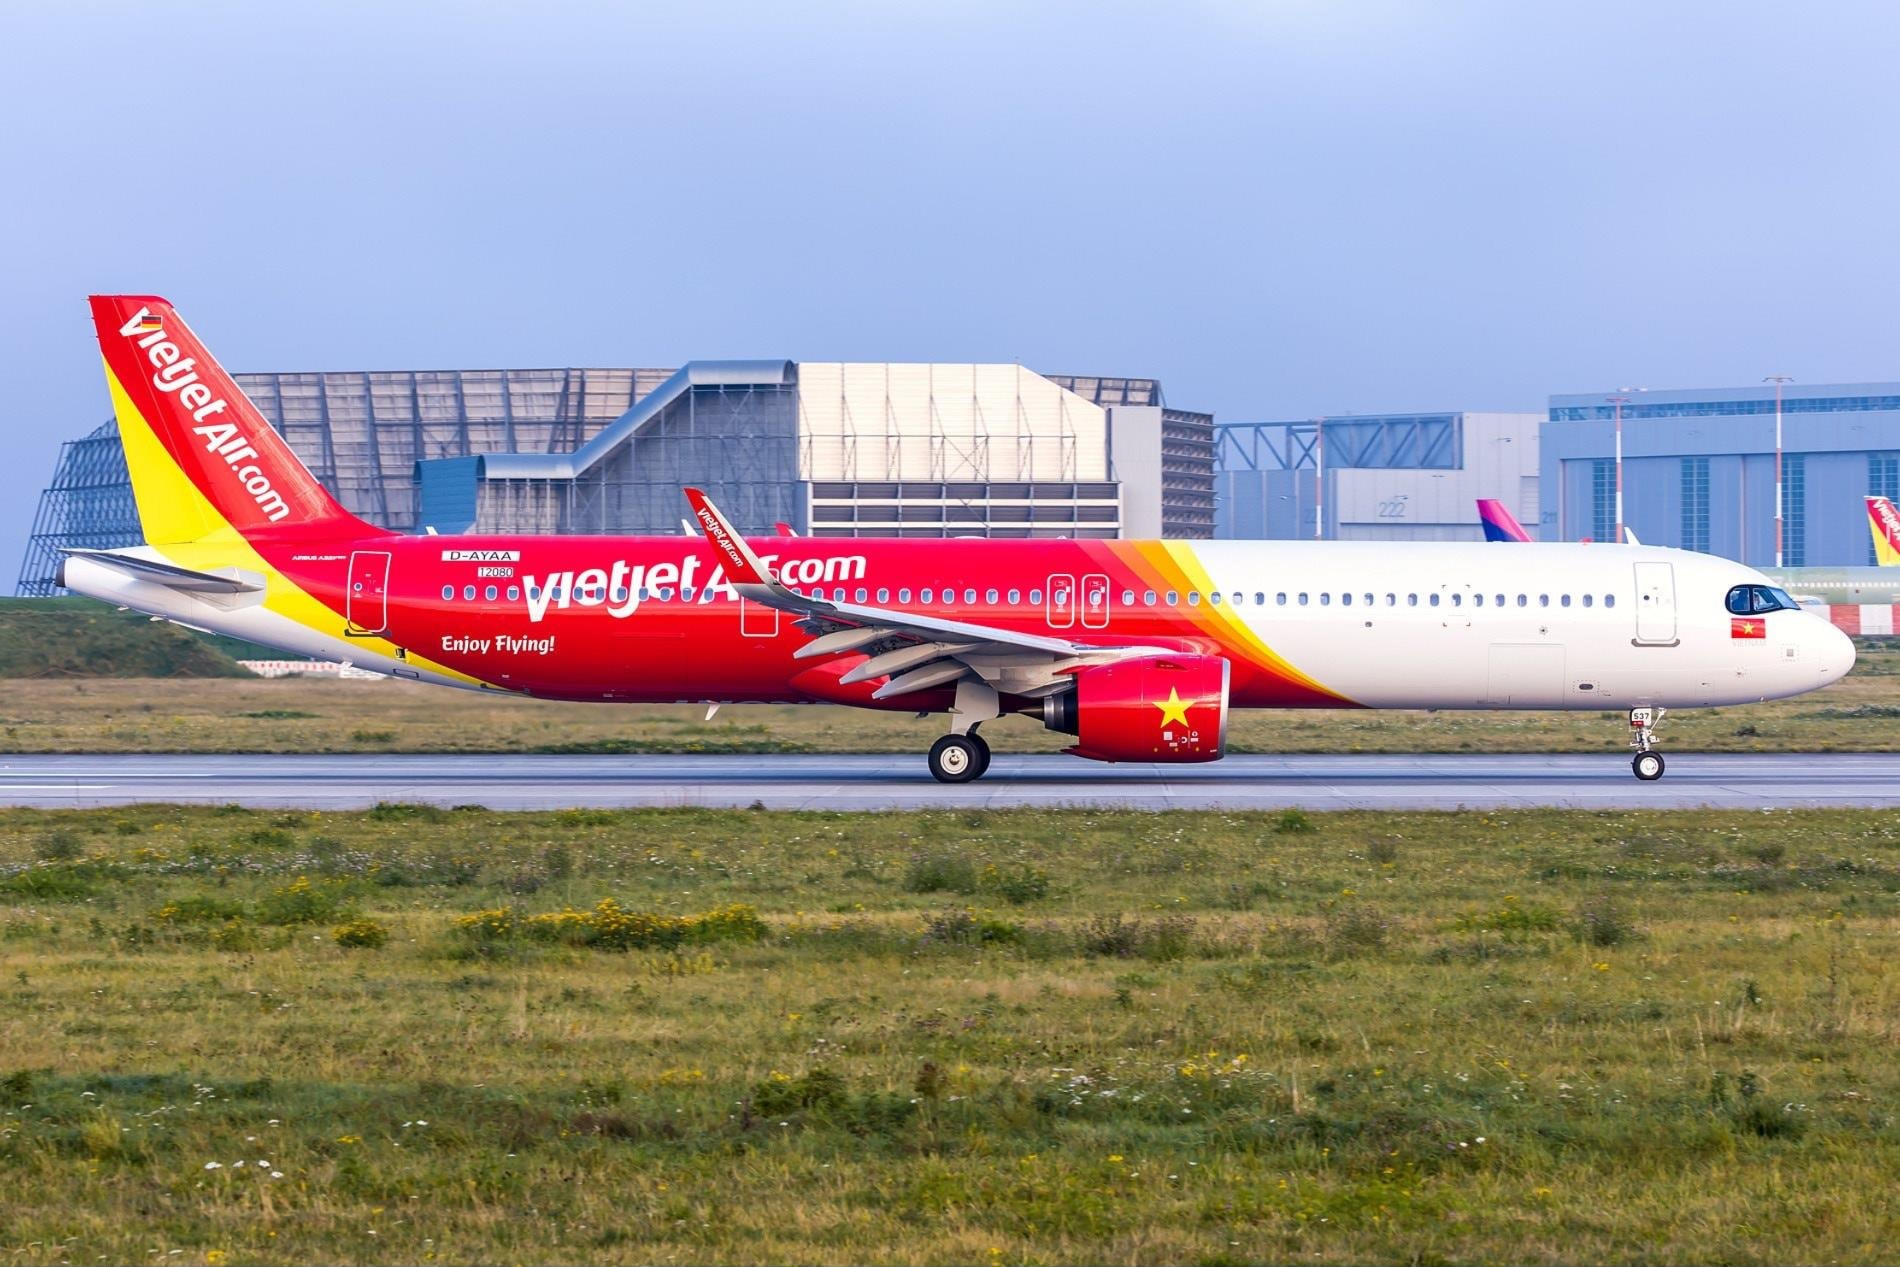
x: 1499, y: 523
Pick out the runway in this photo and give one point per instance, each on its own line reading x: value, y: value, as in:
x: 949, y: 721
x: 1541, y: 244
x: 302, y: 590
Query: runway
x: 831, y: 782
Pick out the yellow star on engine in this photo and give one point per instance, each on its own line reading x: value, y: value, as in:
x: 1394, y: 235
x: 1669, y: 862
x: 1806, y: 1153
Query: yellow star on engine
x: 1173, y: 709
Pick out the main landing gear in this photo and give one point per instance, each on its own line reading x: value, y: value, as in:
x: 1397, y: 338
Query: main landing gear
x: 959, y: 758
x: 1647, y: 763
x: 961, y: 755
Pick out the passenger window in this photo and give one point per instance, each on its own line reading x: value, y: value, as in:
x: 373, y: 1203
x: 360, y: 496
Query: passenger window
x: 1260, y: 598
x: 1500, y: 600
x: 1325, y: 598
x: 1035, y: 598
x: 1434, y: 600
x: 1368, y: 600
x: 969, y: 598
x: 1214, y: 598
x: 1302, y: 598
x: 1280, y: 599
x: 1240, y: 599
x: 903, y: 594
x: 1345, y: 600
x: 1016, y: 598
x: 883, y: 595
x: 448, y: 592
x: 1477, y: 600
x: 468, y: 592
x: 1174, y: 598
x: 686, y: 593
x: 646, y: 593
x: 990, y: 596
x: 1411, y: 600
x: 1564, y: 601
x: 1609, y: 600
x: 927, y: 595
x: 1457, y: 600
x: 491, y: 593
x: 1587, y: 600
x: 1523, y: 600
x: 1194, y: 598
x: 1148, y: 598
x: 862, y: 595
x: 1391, y: 600
x: 1543, y: 600
x: 1128, y: 597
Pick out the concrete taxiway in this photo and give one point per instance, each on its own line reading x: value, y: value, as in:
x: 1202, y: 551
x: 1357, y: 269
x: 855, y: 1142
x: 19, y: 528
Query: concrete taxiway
x: 832, y: 782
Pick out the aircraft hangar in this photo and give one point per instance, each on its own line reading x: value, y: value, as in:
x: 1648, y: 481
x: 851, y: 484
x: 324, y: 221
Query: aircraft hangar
x: 828, y: 448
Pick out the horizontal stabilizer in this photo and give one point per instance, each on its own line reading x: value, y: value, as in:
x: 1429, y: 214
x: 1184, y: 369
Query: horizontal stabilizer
x: 174, y: 577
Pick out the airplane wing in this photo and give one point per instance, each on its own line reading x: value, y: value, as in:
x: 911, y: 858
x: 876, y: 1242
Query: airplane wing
x: 172, y: 576
x: 916, y: 651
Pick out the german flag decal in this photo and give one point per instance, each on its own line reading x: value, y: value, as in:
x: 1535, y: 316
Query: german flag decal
x: 1747, y: 627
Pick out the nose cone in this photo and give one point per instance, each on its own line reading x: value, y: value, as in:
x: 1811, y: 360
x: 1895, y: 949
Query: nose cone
x: 1833, y: 652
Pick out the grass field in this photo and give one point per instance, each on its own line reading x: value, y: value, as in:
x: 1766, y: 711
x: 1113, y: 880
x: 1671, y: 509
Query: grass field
x: 1859, y: 714
x: 977, y: 1037
x: 80, y: 638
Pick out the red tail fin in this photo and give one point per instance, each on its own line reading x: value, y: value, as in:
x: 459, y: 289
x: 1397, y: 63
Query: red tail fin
x: 1884, y: 521
x: 168, y: 388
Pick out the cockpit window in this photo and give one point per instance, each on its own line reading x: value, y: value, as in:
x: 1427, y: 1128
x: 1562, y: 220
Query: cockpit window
x: 1752, y: 600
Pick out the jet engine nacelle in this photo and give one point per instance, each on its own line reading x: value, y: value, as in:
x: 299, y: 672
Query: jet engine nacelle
x: 1160, y: 708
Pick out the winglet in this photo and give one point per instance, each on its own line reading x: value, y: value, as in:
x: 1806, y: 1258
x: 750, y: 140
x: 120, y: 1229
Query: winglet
x: 742, y: 566
x: 1885, y: 525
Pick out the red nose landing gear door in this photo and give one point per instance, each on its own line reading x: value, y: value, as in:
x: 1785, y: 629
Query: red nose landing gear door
x: 366, y: 602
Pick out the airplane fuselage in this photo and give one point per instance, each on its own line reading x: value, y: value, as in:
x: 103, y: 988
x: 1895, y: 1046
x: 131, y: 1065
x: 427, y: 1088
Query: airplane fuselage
x: 1320, y: 624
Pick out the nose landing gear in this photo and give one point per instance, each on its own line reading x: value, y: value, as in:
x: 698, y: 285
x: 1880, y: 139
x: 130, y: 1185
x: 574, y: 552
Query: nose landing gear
x: 1647, y: 763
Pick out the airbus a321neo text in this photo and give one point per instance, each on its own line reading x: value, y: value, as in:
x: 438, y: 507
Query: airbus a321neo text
x: 1138, y: 649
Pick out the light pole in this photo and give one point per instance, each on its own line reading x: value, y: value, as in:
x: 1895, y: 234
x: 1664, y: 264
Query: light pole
x: 1619, y: 402
x: 1778, y: 380
x: 1319, y: 478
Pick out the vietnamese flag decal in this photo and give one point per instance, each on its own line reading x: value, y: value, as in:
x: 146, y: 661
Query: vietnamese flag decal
x: 1746, y: 627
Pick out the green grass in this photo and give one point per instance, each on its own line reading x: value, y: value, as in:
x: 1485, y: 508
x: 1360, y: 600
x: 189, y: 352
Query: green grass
x: 949, y: 1037
x: 81, y: 638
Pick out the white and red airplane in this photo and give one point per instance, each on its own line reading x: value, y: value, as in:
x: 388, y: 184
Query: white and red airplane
x: 1137, y: 648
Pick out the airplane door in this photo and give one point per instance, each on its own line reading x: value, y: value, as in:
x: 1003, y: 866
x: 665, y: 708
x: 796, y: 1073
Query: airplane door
x: 366, y: 603
x: 1095, y: 601
x: 1656, y: 604
x: 1061, y: 606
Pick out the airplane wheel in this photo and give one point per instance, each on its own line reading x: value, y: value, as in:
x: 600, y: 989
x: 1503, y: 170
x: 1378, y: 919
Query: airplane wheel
x: 956, y: 759
x: 982, y: 753
x: 1648, y: 766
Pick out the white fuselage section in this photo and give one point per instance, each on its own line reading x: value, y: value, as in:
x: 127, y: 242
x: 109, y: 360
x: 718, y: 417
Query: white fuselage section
x: 1434, y: 625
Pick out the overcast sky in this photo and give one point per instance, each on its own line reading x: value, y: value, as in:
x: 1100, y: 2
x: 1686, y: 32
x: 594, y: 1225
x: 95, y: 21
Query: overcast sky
x: 1278, y: 209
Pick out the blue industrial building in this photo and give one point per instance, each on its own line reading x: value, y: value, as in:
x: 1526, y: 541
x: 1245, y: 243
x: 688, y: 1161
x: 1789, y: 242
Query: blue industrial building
x: 1699, y: 469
